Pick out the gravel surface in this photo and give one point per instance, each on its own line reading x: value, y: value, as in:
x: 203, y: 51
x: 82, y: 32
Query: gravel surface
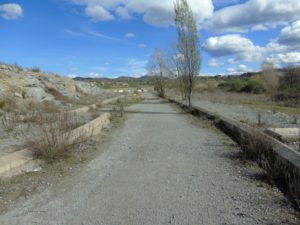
x: 162, y: 167
x: 249, y: 115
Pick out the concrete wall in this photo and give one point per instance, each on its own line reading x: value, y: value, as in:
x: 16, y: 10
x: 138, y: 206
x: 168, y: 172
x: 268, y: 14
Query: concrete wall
x: 286, y: 160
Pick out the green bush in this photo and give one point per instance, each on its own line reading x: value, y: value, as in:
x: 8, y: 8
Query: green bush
x: 252, y: 86
x: 237, y: 85
x: 243, y: 85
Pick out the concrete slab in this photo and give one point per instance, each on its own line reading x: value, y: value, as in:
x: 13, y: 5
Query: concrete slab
x: 14, y: 160
x: 284, y: 134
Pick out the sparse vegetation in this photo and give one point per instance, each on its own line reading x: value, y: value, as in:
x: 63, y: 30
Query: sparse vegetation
x: 260, y: 149
x: 18, y: 67
x: 8, y: 121
x: 119, y: 107
x: 52, y: 139
x: 35, y: 70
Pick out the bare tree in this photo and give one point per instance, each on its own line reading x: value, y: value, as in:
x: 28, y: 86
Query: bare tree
x: 270, y: 78
x: 188, y: 50
x: 157, y: 68
x: 291, y: 79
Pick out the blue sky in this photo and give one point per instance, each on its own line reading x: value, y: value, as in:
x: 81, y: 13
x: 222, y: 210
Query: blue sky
x: 116, y: 37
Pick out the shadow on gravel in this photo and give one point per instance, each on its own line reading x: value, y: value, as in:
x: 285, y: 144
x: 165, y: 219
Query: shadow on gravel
x: 233, y: 155
x: 256, y: 175
x: 250, y: 170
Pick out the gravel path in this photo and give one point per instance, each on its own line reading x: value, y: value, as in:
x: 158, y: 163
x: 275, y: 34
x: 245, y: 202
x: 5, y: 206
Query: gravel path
x: 163, y: 167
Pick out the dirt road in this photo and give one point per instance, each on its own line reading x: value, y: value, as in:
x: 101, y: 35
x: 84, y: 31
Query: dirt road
x: 162, y: 167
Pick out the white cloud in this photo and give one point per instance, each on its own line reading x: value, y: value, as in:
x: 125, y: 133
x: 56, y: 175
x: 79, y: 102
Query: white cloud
x: 259, y: 27
x: 284, y: 59
x: 85, y: 33
x: 237, y: 46
x: 254, y: 14
x: 10, y: 11
x: 72, y: 75
x: 155, y: 12
x: 73, y: 33
x: 215, y: 63
x: 142, y: 45
x: 98, y: 13
x: 287, y: 40
x: 232, y: 61
x: 136, y: 67
x: 290, y: 34
x: 100, y: 35
x: 240, y: 70
x: 129, y: 35
x: 123, y: 13
x: 243, y: 68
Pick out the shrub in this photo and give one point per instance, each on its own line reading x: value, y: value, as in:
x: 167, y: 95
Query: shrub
x: 243, y: 85
x: 120, y: 107
x: 35, y: 70
x: 252, y: 86
x: 52, y: 138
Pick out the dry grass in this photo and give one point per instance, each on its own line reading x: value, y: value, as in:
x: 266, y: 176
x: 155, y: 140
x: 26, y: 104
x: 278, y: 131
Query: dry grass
x: 260, y: 149
x: 10, y: 104
x: 52, y: 139
x: 59, y: 96
x: 8, y: 121
x: 119, y: 107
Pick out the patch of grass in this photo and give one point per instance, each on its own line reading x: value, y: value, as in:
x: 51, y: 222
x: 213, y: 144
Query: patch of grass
x: 2, y: 104
x: 275, y: 108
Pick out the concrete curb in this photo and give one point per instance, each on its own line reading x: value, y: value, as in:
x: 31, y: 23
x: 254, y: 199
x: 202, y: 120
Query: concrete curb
x: 94, y: 106
x: 84, y: 109
x: 111, y: 100
x: 289, y: 158
x: 13, y: 163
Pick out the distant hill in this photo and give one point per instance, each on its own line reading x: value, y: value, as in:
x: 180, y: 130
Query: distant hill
x: 114, y: 80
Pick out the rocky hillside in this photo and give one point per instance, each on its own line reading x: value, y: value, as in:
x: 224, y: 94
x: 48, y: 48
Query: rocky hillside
x: 22, y: 85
